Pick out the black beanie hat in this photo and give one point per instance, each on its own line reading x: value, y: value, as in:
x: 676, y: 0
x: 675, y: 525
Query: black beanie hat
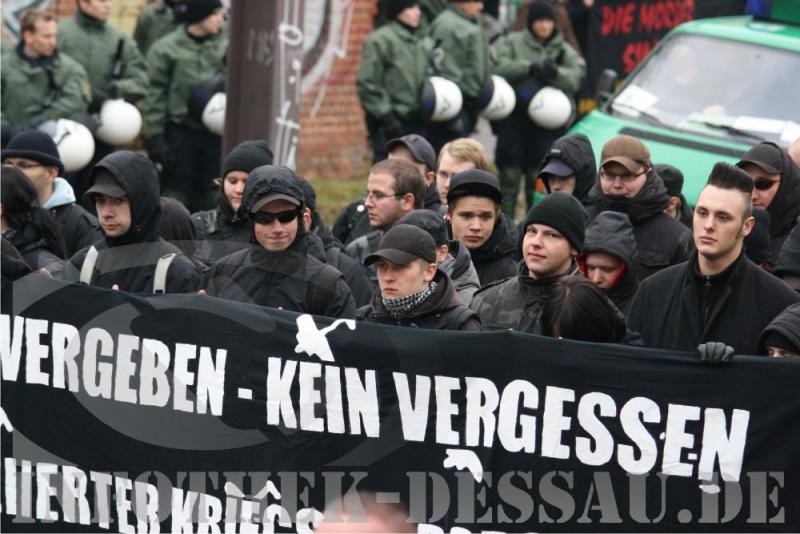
x: 540, y: 9
x: 394, y: 7
x: 34, y: 145
x: 431, y: 222
x: 197, y: 10
x: 246, y: 156
x: 475, y: 182
x: 564, y: 213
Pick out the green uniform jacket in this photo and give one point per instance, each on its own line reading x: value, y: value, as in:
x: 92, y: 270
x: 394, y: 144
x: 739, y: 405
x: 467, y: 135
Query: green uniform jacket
x: 25, y: 89
x: 394, y: 65
x: 466, y: 50
x: 154, y: 22
x: 176, y: 63
x: 94, y: 45
x: 518, y: 50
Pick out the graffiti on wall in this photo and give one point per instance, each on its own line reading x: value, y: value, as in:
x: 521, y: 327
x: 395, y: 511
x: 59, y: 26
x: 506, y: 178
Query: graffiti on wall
x: 290, y: 64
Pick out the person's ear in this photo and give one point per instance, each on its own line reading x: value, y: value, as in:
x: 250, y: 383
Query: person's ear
x: 747, y: 226
x: 430, y: 272
x: 307, y: 219
x: 407, y: 202
x: 442, y: 252
x: 430, y: 178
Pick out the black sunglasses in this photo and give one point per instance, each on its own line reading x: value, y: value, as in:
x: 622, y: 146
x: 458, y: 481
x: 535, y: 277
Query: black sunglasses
x: 284, y: 217
x: 763, y: 185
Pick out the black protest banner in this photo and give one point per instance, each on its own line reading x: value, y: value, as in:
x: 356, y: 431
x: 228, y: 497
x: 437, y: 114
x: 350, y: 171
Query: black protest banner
x: 621, y: 33
x: 189, y: 413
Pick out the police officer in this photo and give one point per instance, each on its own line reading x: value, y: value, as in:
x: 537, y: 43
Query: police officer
x: 112, y: 60
x: 393, y: 68
x: 540, y: 54
x: 40, y: 83
x: 157, y: 20
x: 177, y: 63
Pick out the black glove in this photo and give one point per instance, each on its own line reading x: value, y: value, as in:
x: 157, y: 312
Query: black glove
x: 391, y: 125
x: 158, y: 150
x: 715, y: 352
x: 100, y: 95
x: 545, y: 70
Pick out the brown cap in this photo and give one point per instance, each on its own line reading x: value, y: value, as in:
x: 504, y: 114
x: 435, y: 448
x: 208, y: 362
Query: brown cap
x: 628, y: 152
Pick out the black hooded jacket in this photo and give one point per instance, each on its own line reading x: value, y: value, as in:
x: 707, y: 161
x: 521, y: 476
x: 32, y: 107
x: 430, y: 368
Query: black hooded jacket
x: 497, y: 258
x: 291, y: 279
x: 129, y: 261
x: 78, y: 227
x: 661, y: 240
x: 576, y: 151
x: 678, y: 308
x: 611, y: 232
x: 789, y: 259
x: 354, y: 273
x: 784, y: 209
x: 33, y: 247
x: 443, y: 310
x: 786, y: 325
x: 220, y: 231
x: 12, y: 264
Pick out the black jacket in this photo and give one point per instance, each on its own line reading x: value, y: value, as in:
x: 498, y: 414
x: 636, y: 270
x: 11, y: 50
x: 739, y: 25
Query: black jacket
x: 220, y: 231
x: 32, y: 246
x: 576, y: 151
x: 784, y: 210
x: 516, y: 303
x: 611, y: 232
x: 443, y: 310
x: 789, y: 258
x: 354, y: 273
x: 129, y: 261
x: 12, y: 264
x: 79, y: 228
x: 678, y: 308
x: 458, y: 266
x: 787, y: 325
x: 497, y: 258
x: 661, y: 240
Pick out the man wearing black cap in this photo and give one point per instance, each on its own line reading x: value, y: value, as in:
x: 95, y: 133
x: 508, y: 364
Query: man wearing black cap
x: 279, y: 272
x: 776, y: 188
x: 628, y: 184
x: 473, y: 208
x: 224, y: 230
x: 538, y: 55
x: 569, y: 166
x: 177, y: 64
x: 413, y: 291
x: 677, y: 208
x: 452, y: 256
x: 553, y: 238
x: 394, y: 66
x: 36, y: 155
x: 132, y: 257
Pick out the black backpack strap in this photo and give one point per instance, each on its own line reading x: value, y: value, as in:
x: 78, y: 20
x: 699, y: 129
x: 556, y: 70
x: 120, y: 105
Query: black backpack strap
x: 322, y: 287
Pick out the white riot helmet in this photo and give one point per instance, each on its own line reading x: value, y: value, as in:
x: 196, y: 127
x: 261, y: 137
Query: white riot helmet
x: 551, y: 108
x: 441, y: 99
x: 501, y: 99
x: 120, y: 123
x: 74, y: 141
x: 214, y: 114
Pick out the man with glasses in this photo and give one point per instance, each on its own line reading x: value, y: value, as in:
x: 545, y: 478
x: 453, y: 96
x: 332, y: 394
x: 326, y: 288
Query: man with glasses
x: 776, y: 188
x: 628, y: 184
x: 279, y: 272
x: 36, y: 155
x: 395, y: 188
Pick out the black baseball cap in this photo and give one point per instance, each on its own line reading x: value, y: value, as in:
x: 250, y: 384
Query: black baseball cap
x: 475, y: 182
x: 403, y: 244
x: 431, y: 222
x: 672, y: 178
x: 105, y: 184
x: 767, y: 156
x: 419, y: 147
x: 556, y: 167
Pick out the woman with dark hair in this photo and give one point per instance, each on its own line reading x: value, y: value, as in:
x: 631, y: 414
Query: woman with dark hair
x: 577, y: 309
x: 25, y: 224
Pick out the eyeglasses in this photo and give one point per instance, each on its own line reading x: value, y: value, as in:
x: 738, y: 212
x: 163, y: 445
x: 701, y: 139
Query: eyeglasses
x: 377, y: 196
x: 625, y: 177
x: 763, y: 185
x: 23, y: 165
x: 283, y: 217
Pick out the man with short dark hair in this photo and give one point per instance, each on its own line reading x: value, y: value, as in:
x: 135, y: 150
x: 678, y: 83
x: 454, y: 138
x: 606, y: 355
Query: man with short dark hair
x: 554, y: 236
x: 776, y: 188
x: 627, y: 183
x: 395, y: 188
x: 702, y: 301
x: 279, y: 272
x: 412, y: 290
x: 569, y: 166
x: 36, y: 155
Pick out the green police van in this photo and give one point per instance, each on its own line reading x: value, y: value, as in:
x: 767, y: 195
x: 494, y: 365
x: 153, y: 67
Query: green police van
x: 710, y: 90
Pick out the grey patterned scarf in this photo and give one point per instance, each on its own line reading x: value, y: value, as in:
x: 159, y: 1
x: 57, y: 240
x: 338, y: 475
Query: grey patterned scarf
x: 400, y: 307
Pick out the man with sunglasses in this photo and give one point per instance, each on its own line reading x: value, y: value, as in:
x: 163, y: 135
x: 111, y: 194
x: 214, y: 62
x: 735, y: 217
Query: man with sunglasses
x: 628, y: 184
x: 395, y: 188
x: 776, y: 188
x: 36, y: 155
x: 278, y: 272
